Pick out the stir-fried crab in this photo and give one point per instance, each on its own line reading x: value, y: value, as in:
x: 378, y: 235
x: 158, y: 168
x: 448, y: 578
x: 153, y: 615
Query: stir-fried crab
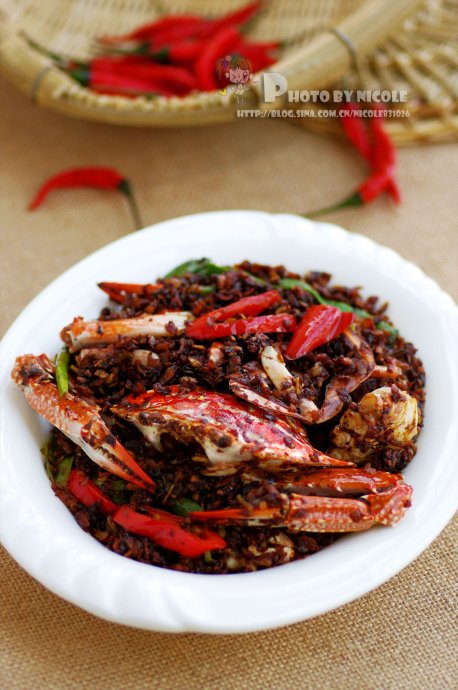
x: 234, y: 437
x: 259, y: 437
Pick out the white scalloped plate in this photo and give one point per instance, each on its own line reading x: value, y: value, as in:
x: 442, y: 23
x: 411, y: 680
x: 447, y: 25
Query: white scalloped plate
x: 42, y: 535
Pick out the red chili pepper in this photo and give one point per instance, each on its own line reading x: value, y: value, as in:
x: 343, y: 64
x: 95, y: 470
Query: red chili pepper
x: 134, y: 75
x: 178, y: 27
x: 136, y: 66
x: 354, y: 129
x: 271, y: 323
x: 259, y: 54
x: 206, y: 327
x: 101, y: 178
x: 248, y: 306
x: 89, y: 493
x: 381, y: 155
x: 217, y: 47
x: 151, y: 30
x: 165, y: 531
x: 320, y: 324
x: 179, y: 52
x: 238, y: 17
x: 178, y: 33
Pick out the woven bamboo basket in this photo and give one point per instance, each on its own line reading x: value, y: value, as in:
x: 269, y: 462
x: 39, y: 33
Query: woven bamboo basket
x: 421, y: 56
x: 373, y: 30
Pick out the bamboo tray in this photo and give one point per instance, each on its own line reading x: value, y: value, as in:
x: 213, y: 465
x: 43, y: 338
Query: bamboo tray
x: 315, y: 57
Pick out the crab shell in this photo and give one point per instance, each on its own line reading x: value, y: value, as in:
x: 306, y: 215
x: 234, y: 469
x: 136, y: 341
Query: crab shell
x: 230, y: 432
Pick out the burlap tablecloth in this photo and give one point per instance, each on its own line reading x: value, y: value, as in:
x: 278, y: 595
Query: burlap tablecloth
x: 401, y: 636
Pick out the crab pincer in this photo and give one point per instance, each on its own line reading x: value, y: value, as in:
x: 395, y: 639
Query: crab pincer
x: 76, y: 418
x: 297, y: 513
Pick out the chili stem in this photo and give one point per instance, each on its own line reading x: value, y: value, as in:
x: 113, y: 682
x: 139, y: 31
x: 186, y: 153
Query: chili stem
x: 126, y: 188
x: 353, y: 200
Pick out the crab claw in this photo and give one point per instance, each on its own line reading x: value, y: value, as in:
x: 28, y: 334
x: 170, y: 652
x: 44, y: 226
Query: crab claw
x: 77, y: 419
x: 390, y: 506
x: 230, y: 432
x: 80, y: 333
x: 319, y: 513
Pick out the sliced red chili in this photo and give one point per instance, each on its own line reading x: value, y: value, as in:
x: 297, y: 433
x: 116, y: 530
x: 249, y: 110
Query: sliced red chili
x: 319, y: 325
x: 207, y: 326
x: 270, y: 323
x: 89, y: 493
x: 247, y: 306
x: 166, y: 532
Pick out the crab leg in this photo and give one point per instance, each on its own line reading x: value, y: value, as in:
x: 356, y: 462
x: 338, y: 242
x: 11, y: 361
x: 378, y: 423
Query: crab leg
x: 77, y: 419
x: 81, y: 334
x: 334, y: 481
x: 244, y: 392
x: 231, y: 434
x: 319, y: 513
x: 119, y: 291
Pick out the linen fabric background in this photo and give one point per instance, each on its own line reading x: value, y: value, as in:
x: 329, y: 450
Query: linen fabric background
x: 402, y: 636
